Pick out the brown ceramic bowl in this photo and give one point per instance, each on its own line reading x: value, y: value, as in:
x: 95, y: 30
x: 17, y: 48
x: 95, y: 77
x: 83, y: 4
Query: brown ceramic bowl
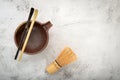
x: 38, y: 39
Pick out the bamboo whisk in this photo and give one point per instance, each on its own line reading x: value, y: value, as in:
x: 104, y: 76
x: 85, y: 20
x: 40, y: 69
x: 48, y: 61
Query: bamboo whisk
x: 66, y: 56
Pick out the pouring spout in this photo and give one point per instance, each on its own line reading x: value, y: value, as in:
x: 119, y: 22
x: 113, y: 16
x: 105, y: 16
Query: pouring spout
x: 47, y: 26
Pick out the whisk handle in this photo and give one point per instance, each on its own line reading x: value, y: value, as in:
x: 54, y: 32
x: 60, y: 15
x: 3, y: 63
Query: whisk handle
x: 52, y: 68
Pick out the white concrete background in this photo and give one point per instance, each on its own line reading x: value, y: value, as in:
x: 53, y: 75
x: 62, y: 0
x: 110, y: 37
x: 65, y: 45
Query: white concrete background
x: 90, y: 27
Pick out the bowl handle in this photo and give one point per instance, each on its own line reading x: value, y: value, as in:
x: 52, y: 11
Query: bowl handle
x: 47, y: 26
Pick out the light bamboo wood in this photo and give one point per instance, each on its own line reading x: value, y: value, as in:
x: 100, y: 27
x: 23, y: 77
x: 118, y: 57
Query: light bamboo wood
x: 52, y: 68
x: 66, y: 56
x: 28, y: 34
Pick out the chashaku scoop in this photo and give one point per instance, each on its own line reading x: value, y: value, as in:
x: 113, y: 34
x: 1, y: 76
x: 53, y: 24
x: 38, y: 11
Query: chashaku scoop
x: 66, y: 56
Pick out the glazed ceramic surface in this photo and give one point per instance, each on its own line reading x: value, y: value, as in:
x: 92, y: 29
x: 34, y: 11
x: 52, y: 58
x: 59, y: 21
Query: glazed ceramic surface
x: 39, y: 37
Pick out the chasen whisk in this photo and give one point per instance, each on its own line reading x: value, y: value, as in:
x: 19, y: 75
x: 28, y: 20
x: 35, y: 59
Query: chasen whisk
x: 66, y: 56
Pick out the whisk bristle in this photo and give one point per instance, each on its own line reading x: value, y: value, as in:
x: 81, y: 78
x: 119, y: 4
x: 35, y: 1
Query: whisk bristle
x: 66, y: 56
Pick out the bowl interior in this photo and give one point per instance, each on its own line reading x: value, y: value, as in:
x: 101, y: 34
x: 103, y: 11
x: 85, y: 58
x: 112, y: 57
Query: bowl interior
x: 37, y: 40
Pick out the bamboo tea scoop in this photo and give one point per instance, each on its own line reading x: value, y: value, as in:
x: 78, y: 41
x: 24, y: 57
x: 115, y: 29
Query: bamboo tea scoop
x: 66, y: 57
x: 24, y: 33
x: 28, y: 35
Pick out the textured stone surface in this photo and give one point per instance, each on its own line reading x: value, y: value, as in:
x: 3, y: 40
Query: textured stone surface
x: 90, y: 27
